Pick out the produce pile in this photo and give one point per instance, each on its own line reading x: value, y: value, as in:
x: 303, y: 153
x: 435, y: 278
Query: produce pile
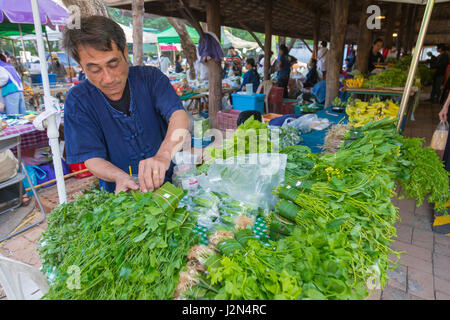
x: 389, y: 78
x: 129, y: 246
x: 250, y: 137
x: 361, y: 112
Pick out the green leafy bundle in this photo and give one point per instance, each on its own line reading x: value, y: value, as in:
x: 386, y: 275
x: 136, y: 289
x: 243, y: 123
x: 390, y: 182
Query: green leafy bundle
x: 124, y: 247
x: 389, y: 78
x: 250, y: 137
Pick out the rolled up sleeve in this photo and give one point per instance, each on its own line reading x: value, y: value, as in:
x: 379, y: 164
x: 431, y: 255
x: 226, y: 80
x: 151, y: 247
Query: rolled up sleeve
x: 166, y: 99
x: 84, y: 138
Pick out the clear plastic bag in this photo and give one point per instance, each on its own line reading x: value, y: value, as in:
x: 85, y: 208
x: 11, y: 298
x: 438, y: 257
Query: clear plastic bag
x: 302, y: 123
x: 250, y: 178
x: 439, y: 139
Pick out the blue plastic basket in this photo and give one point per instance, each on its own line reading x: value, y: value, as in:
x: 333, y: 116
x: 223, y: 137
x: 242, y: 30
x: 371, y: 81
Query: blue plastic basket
x: 201, y: 142
x: 244, y: 102
x: 37, y: 78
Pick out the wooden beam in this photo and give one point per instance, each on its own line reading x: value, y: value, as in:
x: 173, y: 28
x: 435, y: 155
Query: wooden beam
x: 293, y: 41
x: 316, y: 35
x: 339, y: 16
x: 307, y: 46
x: 215, y: 67
x: 192, y: 19
x: 268, y: 38
x: 364, y: 42
x: 138, y: 35
x: 244, y: 26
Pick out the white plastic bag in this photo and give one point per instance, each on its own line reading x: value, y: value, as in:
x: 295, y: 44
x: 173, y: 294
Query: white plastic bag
x: 439, y: 139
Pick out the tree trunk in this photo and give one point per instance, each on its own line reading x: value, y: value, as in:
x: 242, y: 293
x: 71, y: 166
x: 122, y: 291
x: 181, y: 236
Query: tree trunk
x: 89, y: 7
x: 268, y: 38
x: 339, y: 20
x: 364, y: 41
x: 138, y: 31
x: 291, y: 43
x: 186, y: 43
x: 391, y: 17
x: 214, y: 67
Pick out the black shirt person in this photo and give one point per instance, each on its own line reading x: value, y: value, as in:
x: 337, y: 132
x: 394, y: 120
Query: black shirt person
x: 178, y: 67
x: 375, y: 55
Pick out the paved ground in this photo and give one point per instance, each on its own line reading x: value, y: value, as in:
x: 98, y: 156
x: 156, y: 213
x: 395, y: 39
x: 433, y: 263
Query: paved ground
x: 424, y: 267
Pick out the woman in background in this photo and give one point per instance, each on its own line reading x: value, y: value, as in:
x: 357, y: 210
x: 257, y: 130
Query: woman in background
x: 251, y: 76
x: 178, y: 67
x: 283, y: 69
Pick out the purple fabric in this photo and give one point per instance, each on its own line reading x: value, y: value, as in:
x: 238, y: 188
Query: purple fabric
x: 12, y: 73
x: 21, y: 12
x: 208, y: 46
x: 50, y: 173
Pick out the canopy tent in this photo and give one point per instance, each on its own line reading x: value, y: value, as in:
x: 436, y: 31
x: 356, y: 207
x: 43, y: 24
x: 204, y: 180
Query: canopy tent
x: 170, y: 35
x: 229, y: 40
x: 50, y: 13
x: 148, y: 37
x: 53, y: 35
x: 11, y: 30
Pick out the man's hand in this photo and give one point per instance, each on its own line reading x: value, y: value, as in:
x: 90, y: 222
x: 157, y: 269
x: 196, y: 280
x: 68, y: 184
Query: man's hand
x: 153, y: 170
x: 443, y: 114
x: 126, y: 183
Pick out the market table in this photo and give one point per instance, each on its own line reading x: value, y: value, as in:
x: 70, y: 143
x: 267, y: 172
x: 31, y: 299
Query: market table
x: 31, y: 138
x: 316, y: 138
x: 197, y: 96
x: 390, y: 92
x: 36, y: 93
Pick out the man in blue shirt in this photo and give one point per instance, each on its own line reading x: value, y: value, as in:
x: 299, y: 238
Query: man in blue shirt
x: 120, y: 116
x: 283, y: 69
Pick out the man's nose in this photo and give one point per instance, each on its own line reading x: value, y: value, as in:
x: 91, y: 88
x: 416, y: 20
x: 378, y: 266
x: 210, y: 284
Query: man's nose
x: 108, y: 76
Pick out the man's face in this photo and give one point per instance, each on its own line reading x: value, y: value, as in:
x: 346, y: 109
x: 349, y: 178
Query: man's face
x: 107, y: 70
x: 232, y: 52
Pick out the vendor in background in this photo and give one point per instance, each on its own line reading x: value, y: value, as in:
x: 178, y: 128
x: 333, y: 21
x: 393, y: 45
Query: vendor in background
x: 178, y: 67
x: 312, y: 76
x: 57, y: 68
x: 201, y: 68
x: 164, y: 65
x: 440, y: 66
x: 11, y: 88
x: 443, y: 117
x: 233, y: 63
x: 375, y: 56
x: 251, y: 76
x: 121, y: 116
x: 432, y: 59
x: 322, y: 55
x: 283, y: 66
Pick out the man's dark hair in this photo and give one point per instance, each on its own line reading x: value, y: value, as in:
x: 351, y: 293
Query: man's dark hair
x: 177, y: 57
x: 378, y: 40
x: 97, y: 32
x: 231, y: 48
x: 324, y: 43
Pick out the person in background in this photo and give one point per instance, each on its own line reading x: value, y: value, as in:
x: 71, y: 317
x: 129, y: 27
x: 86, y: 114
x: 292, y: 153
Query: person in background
x: 441, y: 67
x: 165, y: 63
x: 11, y: 88
x: 443, y: 117
x: 201, y: 66
x: 260, y: 65
x: 432, y: 59
x: 57, y: 68
x: 283, y: 69
x: 233, y: 63
x: 251, y: 76
x: 312, y: 77
x: 347, y: 66
x: 322, y: 54
x: 18, y: 66
x: 375, y: 55
x: 81, y: 75
x: 178, y: 67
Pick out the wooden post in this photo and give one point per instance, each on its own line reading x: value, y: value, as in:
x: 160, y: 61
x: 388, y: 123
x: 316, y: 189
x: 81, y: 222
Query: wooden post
x: 412, y: 29
x: 391, y: 17
x: 408, y: 24
x: 268, y: 38
x: 400, y: 38
x: 316, y: 33
x: 364, y: 41
x: 138, y: 31
x: 215, y: 67
x: 339, y: 20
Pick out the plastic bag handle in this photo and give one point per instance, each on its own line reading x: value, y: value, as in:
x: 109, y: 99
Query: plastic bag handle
x: 444, y: 123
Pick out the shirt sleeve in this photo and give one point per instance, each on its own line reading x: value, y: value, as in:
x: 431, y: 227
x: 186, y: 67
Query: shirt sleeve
x: 84, y: 139
x: 164, y: 96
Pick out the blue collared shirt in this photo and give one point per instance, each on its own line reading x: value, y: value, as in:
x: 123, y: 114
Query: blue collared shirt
x: 94, y: 129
